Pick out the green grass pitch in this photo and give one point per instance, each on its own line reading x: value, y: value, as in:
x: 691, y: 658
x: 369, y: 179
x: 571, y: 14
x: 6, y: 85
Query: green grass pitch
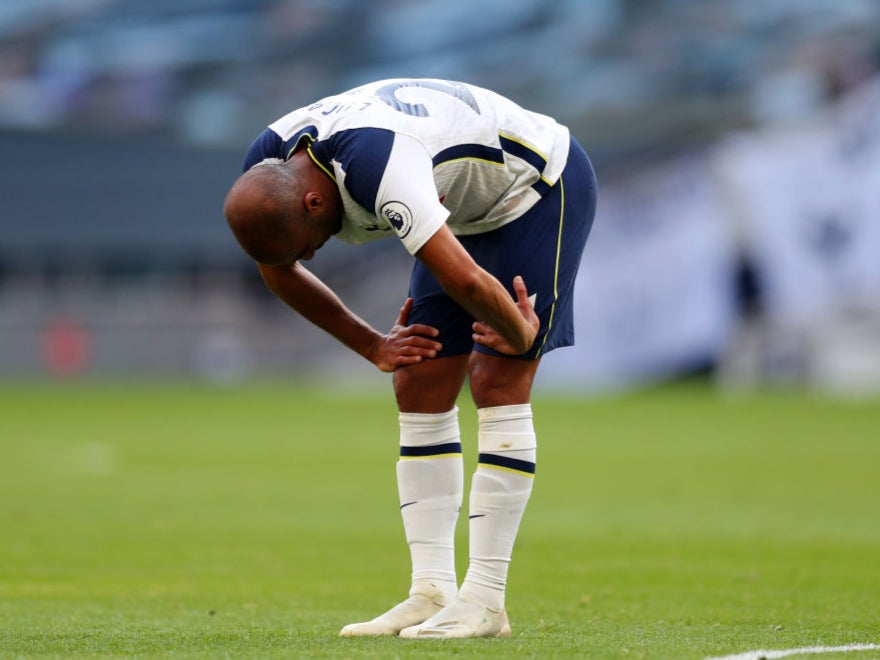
x: 257, y: 520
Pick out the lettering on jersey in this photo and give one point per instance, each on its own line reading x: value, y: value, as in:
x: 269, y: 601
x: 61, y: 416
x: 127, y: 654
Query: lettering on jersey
x: 399, y: 216
x: 328, y: 108
x: 387, y: 93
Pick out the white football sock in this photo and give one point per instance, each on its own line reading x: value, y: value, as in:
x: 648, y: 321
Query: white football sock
x: 430, y: 482
x: 500, y: 490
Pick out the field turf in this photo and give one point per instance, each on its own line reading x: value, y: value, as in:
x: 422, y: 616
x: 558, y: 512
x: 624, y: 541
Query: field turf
x: 255, y: 521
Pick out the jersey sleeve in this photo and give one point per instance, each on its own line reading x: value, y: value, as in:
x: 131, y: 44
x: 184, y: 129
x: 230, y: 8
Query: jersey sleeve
x: 407, y: 196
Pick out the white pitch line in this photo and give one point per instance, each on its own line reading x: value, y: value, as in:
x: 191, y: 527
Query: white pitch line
x: 807, y: 650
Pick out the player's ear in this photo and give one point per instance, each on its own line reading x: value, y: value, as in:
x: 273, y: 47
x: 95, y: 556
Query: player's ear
x: 313, y: 202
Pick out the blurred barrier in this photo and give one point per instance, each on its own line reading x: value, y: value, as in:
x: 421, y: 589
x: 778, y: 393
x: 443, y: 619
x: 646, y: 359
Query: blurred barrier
x: 798, y: 205
x: 805, y: 204
x: 655, y: 295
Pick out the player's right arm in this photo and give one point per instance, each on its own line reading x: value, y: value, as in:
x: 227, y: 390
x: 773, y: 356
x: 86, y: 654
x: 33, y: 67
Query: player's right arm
x: 310, y: 297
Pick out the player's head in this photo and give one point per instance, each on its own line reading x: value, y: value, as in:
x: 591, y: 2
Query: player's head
x: 281, y: 213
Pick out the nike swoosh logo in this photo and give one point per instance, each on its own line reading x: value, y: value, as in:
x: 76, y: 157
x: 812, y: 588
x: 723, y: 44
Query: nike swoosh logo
x: 403, y: 506
x: 479, y: 515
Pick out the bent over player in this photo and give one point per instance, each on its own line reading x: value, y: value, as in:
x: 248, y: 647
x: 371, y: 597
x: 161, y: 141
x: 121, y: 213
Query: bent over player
x: 495, y: 203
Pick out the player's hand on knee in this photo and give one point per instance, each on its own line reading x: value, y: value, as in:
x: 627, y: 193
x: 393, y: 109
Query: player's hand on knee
x: 406, y: 344
x: 487, y: 336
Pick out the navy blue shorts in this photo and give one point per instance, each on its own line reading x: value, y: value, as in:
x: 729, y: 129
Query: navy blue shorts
x: 544, y: 246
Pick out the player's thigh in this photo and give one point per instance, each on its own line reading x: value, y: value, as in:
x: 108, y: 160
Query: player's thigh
x: 431, y: 386
x: 433, y: 306
x: 500, y: 381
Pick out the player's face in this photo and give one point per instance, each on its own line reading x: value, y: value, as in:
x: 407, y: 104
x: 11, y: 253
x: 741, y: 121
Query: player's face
x: 313, y: 241
x: 307, y: 235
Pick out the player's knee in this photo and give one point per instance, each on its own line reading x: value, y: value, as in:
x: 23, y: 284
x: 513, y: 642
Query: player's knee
x: 496, y: 381
x: 426, y: 390
x: 493, y: 387
x: 405, y: 389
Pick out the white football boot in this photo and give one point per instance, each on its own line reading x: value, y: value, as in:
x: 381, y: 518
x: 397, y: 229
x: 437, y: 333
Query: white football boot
x: 460, y: 619
x: 426, y: 598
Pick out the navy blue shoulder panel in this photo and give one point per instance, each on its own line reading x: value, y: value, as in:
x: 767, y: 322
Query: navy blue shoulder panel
x: 270, y: 145
x: 363, y: 154
x: 267, y: 145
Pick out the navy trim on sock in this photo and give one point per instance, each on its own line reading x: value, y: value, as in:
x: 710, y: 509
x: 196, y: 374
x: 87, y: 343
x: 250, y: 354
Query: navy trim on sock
x: 496, y: 460
x: 431, y: 451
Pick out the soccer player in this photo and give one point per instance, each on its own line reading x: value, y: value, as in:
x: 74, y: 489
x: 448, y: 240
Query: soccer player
x: 490, y: 199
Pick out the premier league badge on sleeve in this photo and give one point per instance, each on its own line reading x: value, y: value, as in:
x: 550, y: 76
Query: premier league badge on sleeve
x: 399, y: 216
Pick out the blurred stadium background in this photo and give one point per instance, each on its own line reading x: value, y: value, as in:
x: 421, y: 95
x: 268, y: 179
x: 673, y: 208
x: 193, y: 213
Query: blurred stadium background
x: 737, y: 144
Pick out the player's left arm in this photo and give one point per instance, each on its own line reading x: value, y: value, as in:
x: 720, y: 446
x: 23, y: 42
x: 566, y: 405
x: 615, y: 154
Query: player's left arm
x: 307, y: 294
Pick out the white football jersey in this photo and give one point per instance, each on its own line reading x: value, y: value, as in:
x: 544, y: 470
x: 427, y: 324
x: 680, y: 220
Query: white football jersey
x: 411, y: 154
